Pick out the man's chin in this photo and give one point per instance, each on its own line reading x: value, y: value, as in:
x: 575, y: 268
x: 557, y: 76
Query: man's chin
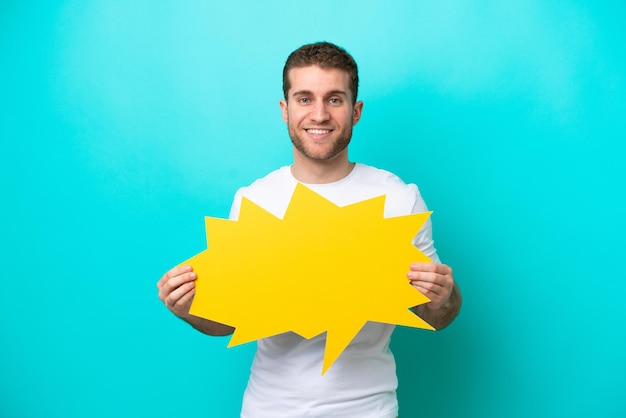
x: 319, y: 154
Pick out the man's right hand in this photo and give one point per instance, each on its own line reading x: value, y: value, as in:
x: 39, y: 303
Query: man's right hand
x: 176, y: 290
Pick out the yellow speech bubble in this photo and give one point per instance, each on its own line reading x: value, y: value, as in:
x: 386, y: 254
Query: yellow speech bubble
x: 322, y: 268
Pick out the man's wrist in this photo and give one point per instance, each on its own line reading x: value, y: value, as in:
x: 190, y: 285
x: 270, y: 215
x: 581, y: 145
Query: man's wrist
x: 429, y: 306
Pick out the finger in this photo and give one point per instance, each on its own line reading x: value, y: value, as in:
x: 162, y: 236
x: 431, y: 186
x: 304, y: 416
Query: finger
x: 438, y: 290
x: 436, y: 297
x: 174, y: 283
x: 177, y: 281
x: 423, y: 267
x: 431, y: 267
x: 424, y: 291
x: 424, y: 276
x: 175, y: 296
x: 186, y: 298
x: 441, y: 275
x: 176, y: 271
x: 432, y: 296
x: 428, y: 287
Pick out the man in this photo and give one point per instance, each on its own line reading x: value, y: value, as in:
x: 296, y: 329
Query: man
x: 320, y: 85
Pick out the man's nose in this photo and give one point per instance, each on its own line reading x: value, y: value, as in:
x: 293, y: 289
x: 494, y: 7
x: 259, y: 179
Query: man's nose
x: 320, y: 113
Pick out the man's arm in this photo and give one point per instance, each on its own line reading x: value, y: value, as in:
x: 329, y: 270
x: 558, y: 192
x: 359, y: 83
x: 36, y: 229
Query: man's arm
x: 176, y: 290
x: 437, y: 283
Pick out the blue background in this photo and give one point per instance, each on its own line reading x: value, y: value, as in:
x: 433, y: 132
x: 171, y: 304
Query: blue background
x: 124, y: 123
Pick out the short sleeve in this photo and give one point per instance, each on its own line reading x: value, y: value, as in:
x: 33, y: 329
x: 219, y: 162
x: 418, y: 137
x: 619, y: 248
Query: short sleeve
x: 424, y: 238
x: 236, y: 206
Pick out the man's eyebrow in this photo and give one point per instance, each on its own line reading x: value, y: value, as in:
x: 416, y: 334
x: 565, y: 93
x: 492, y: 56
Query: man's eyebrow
x: 337, y: 92
x: 301, y: 93
x: 330, y: 93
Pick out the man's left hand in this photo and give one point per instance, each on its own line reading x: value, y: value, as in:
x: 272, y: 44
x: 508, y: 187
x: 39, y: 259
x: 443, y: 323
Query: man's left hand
x: 435, y: 281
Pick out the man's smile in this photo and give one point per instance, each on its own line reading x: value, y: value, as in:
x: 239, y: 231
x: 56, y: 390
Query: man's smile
x: 318, y: 131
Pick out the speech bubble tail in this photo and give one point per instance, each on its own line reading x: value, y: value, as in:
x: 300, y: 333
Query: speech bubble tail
x: 337, y: 341
x: 238, y: 338
x: 406, y: 318
x: 246, y: 334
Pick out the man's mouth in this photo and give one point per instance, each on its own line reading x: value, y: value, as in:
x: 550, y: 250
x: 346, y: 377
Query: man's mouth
x: 318, y: 131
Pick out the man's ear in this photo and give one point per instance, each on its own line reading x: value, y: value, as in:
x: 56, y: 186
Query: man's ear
x: 283, y: 108
x: 356, y: 113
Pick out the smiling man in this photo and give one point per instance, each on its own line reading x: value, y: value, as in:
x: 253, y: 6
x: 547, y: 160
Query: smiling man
x: 319, y: 112
x: 320, y: 108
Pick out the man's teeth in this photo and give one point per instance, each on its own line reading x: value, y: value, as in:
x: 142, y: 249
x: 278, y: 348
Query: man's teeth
x: 318, y: 131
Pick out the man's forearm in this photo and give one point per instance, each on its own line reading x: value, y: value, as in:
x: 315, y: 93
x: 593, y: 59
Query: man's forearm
x: 208, y: 327
x: 441, y: 317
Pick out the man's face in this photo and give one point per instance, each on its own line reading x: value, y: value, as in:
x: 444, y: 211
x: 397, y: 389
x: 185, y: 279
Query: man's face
x: 319, y: 112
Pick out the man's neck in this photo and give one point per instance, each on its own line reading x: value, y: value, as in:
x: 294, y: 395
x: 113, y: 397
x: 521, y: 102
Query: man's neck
x: 321, y: 172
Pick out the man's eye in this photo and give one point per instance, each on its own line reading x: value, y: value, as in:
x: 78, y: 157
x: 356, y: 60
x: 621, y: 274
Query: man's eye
x: 304, y: 100
x: 335, y: 100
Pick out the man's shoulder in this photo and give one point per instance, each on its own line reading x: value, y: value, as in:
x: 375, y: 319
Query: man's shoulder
x: 381, y: 178
x: 271, y: 192
x: 274, y: 179
x: 401, y: 198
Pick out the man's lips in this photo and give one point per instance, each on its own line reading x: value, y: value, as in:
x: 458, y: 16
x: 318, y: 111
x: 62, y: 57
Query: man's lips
x: 316, y: 131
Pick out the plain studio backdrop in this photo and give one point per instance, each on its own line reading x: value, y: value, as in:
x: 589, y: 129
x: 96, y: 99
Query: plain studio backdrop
x: 124, y: 123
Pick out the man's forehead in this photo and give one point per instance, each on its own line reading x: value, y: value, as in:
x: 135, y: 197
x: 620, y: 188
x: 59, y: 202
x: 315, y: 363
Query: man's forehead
x: 314, y: 78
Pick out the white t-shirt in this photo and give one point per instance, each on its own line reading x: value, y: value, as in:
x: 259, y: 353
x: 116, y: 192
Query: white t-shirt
x: 285, y: 378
